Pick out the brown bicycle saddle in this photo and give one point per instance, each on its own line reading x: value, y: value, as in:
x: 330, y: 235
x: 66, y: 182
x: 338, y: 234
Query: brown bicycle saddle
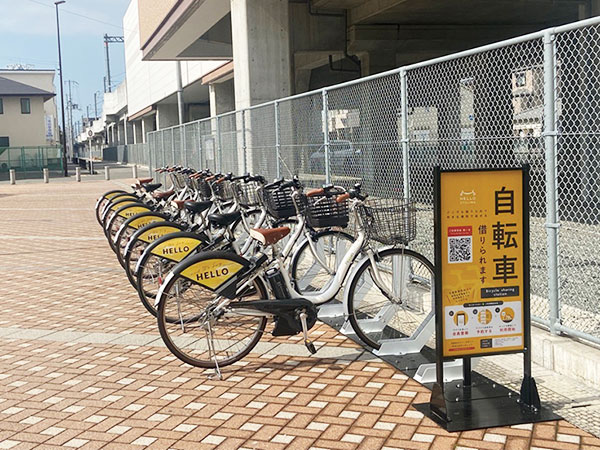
x: 269, y: 236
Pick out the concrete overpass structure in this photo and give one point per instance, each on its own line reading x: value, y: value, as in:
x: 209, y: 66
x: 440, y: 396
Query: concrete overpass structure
x: 285, y: 47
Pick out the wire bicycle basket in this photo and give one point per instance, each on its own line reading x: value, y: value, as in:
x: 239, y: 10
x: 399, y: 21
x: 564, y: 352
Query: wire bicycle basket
x: 389, y: 221
x: 322, y: 211
x: 178, y: 180
x: 246, y: 193
x: 279, y: 202
x: 223, y: 190
x: 202, y: 187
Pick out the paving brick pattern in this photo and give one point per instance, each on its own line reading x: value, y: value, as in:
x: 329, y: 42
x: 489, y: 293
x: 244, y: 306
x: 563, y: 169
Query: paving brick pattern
x: 82, y: 365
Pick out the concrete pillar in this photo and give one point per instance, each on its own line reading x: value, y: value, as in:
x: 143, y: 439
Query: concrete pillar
x: 126, y: 133
x: 261, y: 50
x: 222, y: 97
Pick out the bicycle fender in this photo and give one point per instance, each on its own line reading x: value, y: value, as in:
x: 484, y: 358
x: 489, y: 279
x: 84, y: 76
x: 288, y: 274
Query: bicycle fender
x: 132, y: 210
x: 176, y: 246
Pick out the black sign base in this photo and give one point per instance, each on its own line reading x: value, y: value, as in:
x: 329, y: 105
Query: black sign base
x: 484, y: 404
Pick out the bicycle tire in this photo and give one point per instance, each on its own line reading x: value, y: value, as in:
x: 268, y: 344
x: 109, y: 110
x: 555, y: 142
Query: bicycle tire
x: 130, y: 227
x: 154, y: 258
x: 104, y: 198
x: 358, y: 313
x: 111, y: 207
x: 140, y: 240
x: 120, y: 216
x: 302, y: 254
x: 173, y: 333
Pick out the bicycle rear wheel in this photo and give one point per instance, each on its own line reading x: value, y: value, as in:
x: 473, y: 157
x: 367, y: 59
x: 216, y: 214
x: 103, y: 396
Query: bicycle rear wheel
x: 157, y: 261
x: 104, y: 200
x: 141, y: 240
x: 130, y: 227
x: 202, y: 335
x: 119, y: 217
x: 395, y: 307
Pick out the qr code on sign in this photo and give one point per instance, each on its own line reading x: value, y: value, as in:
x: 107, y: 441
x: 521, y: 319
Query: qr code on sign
x: 460, y: 249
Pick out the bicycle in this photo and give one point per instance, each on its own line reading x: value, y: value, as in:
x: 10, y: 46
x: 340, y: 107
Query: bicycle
x: 213, y: 307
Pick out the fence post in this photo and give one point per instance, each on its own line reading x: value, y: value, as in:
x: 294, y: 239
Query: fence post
x: 244, y: 140
x: 163, y: 176
x: 199, y: 142
x: 106, y: 173
x: 552, y: 223
x: 326, y: 135
x: 46, y: 174
x: 77, y: 173
x: 277, y: 141
x: 404, y: 137
x: 13, y: 176
x: 182, y: 142
x: 218, y: 152
x: 173, y: 145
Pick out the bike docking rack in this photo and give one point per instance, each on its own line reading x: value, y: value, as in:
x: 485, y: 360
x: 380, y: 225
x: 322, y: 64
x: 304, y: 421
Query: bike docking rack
x: 481, y: 305
x: 409, y: 354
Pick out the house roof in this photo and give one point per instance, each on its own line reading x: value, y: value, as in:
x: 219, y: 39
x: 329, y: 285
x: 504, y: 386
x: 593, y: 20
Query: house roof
x: 14, y: 88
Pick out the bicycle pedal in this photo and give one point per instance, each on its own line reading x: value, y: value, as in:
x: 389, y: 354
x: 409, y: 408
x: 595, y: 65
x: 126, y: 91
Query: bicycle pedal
x: 310, y: 346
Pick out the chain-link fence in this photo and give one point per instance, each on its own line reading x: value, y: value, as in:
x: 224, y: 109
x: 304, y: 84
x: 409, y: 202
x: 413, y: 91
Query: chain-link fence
x: 532, y: 99
x: 29, y: 162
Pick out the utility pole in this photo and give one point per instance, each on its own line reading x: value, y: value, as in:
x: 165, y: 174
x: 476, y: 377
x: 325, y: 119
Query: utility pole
x: 62, y: 97
x: 95, y: 106
x: 109, y: 40
x: 71, y: 106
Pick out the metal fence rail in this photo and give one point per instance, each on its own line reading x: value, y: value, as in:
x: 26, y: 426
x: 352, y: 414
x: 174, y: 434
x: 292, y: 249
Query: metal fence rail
x: 532, y: 99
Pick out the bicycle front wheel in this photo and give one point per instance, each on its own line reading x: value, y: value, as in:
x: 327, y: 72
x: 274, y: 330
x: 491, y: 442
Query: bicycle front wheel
x: 392, y: 299
x: 203, y: 335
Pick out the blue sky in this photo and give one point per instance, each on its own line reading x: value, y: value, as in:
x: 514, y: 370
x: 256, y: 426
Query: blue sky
x: 29, y: 37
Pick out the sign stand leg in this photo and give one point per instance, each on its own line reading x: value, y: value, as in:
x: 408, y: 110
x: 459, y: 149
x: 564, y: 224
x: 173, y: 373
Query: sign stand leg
x: 466, y: 371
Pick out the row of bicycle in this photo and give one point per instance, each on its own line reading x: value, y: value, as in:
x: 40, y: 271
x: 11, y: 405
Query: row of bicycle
x: 215, y: 257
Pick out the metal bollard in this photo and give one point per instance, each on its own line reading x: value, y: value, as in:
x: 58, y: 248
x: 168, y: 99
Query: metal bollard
x: 106, y: 173
x: 77, y: 173
x: 46, y: 175
x: 13, y: 176
x: 134, y: 171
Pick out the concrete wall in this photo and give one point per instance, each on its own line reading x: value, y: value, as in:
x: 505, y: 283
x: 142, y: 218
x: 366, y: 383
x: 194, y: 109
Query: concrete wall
x: 167, y: 115
x: 222, y: 97
x: 116, y: 100
x: 23, y: 129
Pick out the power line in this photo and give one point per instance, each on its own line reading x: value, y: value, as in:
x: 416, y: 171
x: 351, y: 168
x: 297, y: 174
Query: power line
x: 79, y: 15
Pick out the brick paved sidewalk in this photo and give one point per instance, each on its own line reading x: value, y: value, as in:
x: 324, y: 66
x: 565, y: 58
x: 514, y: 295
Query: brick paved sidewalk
x: 82, y: 364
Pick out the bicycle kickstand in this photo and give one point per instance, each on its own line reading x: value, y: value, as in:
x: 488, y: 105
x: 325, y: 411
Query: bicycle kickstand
x: 211, y: 350
x: 309, y: 344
